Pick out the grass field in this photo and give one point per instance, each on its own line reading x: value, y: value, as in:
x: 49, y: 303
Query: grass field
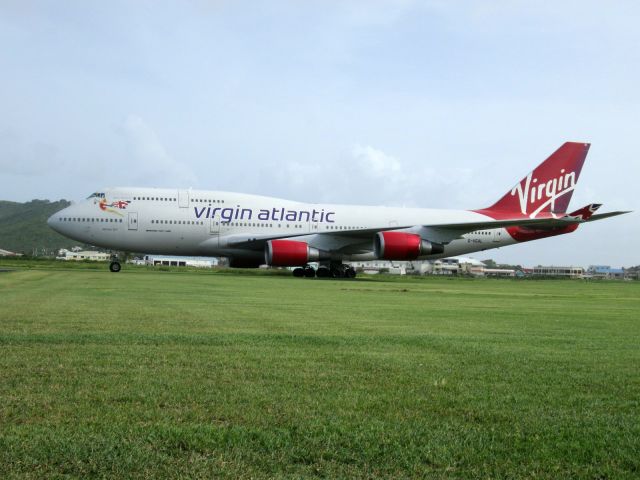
x: 149, y: 374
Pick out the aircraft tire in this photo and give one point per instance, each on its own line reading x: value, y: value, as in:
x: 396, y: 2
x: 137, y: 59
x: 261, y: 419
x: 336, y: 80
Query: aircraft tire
x: 323, y: 272
x: 114, y: 267
x: 337, y: 273
x: 309, y: 272
x: 298, y: 272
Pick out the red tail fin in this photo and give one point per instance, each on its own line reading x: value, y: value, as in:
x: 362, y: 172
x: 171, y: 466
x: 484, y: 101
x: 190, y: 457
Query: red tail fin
x: 548, y: 188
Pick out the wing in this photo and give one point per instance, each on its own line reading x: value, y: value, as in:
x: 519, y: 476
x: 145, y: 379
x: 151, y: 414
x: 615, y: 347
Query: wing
x: 332, y: 240
x: 359, y: 240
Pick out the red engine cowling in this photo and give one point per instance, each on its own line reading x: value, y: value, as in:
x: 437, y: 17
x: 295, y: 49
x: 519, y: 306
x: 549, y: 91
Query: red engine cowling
x: 289, y: 253
x: 403, y: 246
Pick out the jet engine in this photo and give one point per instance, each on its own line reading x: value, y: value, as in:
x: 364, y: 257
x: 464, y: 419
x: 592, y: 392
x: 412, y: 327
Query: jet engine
x: 403, y: 246
x: 290, y: 253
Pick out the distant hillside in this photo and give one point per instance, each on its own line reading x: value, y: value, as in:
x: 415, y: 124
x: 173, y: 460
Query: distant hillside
x: 23, y: 227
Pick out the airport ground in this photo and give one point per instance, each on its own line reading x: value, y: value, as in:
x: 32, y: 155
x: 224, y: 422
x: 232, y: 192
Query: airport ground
x: 180, y: 374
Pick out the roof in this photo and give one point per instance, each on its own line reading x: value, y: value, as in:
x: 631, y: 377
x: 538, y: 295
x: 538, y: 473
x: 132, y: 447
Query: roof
x: 605, y: 269
x: 467, y: 260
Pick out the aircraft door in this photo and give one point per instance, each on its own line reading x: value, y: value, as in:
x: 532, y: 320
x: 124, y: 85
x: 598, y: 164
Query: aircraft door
x: 497, y: 235
x: 314, y: 226
x: 214, y: 226
x: 214, y: 232
x: 183, y: 198
x: 132, y: 220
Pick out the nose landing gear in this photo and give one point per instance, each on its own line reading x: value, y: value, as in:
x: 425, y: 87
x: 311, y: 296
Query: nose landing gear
x: 114, y: 266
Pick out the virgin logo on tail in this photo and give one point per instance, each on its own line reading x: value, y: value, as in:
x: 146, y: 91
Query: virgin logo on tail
x: 547, y: 189
x: 530, y: 192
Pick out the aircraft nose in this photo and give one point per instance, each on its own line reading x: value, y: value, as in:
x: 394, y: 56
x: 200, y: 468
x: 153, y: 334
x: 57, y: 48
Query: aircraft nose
x: 53, y: 222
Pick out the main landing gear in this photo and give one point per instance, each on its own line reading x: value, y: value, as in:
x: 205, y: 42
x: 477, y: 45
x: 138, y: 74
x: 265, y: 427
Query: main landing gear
x: 307, y: 271
x: 333, y: 270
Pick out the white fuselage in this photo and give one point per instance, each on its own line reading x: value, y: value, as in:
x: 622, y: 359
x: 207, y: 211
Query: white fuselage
x: 208, y: 223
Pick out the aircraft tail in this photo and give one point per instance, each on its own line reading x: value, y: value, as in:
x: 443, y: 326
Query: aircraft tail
x: 547, y: 189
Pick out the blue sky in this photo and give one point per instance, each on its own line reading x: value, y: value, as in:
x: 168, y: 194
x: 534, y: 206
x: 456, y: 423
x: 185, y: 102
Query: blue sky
x: 430, y: 104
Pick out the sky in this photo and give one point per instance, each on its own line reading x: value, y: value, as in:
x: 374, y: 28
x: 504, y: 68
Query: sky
x: 431, y: 103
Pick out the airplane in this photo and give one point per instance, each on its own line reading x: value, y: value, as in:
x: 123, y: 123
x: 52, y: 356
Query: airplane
x: 252, y: 230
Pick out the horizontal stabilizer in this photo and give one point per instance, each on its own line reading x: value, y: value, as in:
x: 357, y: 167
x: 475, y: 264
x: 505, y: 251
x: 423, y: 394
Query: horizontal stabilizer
x: 601, y: 216
x: 447, y: 232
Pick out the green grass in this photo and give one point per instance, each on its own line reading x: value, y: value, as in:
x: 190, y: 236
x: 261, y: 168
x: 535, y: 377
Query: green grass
x: 147, y: 374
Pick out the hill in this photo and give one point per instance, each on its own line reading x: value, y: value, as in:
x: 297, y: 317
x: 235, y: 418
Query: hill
x: 23, y: 227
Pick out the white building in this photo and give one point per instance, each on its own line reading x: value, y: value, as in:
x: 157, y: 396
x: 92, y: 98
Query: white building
x: 556, y: 271
x: 498, y: 272
x: 395, y: 267
x: 64, y: 254
x: 176, y: 261
x: 458, y: 265
x: 445, y: 266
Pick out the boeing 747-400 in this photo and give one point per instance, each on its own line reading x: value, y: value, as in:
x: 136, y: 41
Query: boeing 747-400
x: 252, y: 230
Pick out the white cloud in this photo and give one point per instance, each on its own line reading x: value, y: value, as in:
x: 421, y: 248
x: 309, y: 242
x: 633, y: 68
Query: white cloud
x: 149, y: 161
x: 365, y: 174
x: 377, y: 163
x: 29, y: 159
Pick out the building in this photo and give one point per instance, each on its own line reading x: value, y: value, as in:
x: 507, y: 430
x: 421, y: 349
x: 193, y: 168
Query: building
x: 394, y: 267
x: 459, y: 266
x: 605, y: 272
x: 555, y: 271
x: 500, y: 272
x: 378, y: 266
x: 632, y: 273
x: 77, y: 255
x: 445, y: 266
x: 176, y: 261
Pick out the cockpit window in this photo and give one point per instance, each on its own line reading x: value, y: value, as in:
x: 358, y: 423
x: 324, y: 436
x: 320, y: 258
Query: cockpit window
x: 96, y: 195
